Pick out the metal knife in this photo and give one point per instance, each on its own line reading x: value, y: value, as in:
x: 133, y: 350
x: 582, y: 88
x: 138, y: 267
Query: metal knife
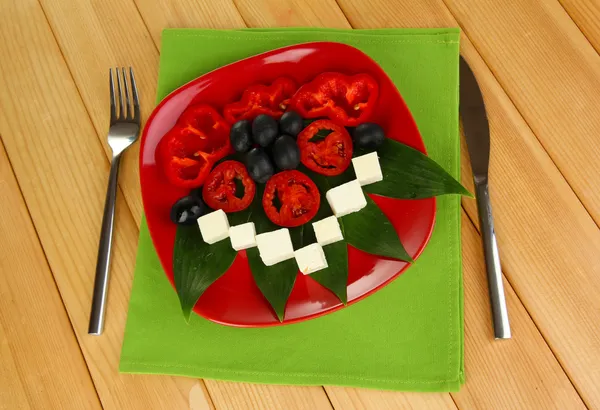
x: 477, y: 134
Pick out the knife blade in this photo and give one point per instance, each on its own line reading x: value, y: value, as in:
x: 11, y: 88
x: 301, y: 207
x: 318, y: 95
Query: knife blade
x: 477, y: 134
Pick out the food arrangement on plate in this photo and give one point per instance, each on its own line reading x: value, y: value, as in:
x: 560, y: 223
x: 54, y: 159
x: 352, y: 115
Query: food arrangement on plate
x: 289, y: 180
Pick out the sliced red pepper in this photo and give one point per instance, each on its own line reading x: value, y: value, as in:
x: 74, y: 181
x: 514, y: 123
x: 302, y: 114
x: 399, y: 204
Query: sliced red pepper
x: 261, y: 99
x: 325, y: 147
x: 229, y: 187
x: 194, y: 144
x: 291, y: 199
x: 347, y: 100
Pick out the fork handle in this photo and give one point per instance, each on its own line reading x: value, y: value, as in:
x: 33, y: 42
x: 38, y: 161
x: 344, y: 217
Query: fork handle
x: 103, y: 264
x: 492, y: 262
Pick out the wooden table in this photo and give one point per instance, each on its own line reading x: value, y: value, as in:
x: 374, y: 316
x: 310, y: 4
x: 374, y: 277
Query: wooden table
x: 538, y: 65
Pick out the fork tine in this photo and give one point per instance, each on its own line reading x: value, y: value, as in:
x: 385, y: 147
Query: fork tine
x: 128, y: 112
x: 136, y: 103
x: 121, y: 103
x: 113, y: 103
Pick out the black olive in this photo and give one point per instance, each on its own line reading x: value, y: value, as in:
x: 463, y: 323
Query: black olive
x: 264, y: 130
x: 187, y: 210
x: 368, y: 135
x: 291, y: 123
x: 241, y: 136
x: 259, y: 165
x: 286, y: 153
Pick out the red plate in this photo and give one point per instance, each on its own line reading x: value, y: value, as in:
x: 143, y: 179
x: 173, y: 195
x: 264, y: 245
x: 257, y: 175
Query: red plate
x: 234, y: 299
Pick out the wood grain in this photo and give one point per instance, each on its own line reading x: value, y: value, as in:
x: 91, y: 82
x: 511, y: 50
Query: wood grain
x: 344, y: 398
x: 100, y: 38
x: 585, y: 14
x: 62, y: 171
x: 518, y: 373
x: 552, y: 75
x: 546, y: 236
x: 161, y: 14
x: 246, y: 396
x: 41, y: 365
x: 289, y: 13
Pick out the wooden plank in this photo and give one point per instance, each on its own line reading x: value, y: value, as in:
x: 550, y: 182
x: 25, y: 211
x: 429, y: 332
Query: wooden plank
x: 36, y: 338
x: 12, y: 394
x: 98, y: 24
x: 518, y: 373
x: 106, y: 34
x: 62, y: 171
x: 289, y: 13
x: 161, y: 14
x: 345, y: 398
x: 551, y: 73
x: 550, y: 246
x: 586, y: 14
x: 245, y: 396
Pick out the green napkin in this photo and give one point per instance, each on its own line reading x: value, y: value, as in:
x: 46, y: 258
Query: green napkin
x: 407, y: 336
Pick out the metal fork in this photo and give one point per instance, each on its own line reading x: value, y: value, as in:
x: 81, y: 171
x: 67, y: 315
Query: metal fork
x: 123, y: 131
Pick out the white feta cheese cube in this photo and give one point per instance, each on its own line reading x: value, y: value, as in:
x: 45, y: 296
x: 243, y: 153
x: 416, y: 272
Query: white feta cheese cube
x: 328, y: 230
x: 310, y: 259
x: 275, y: 246
x: 367, y: 168
x: 242, y: 236
x: 214, y: 226
x: 346, y: 198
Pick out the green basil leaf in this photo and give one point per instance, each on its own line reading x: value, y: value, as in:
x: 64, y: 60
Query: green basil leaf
x: 275, y: 282
x: 241, y: 217
x: 197, y: 265
x: 409, y: 174
x: 320, y: 135
x: 335, y: 276
x: 371, y: 231
x: 302, y: 235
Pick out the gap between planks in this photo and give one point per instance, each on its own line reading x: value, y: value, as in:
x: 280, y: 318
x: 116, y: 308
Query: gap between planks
x: 579, y: 26
x: 47, y: 263
x: 503, y: 270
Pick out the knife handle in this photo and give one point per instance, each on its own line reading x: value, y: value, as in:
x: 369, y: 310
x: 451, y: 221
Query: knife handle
x: 492, y: 261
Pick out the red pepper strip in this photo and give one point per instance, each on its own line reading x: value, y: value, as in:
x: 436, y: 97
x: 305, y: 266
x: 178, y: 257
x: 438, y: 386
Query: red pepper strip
x: 347, y: 100
x: 221, y: 192
x: 261, y: 99
x: 193, y: 145
x: 298, y: 196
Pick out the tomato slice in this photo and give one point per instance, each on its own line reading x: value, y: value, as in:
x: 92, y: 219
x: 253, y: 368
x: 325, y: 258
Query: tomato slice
x: 193, y: 145
x: 291, y: 199
x: 229, y: 187
x: 325, y: 147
